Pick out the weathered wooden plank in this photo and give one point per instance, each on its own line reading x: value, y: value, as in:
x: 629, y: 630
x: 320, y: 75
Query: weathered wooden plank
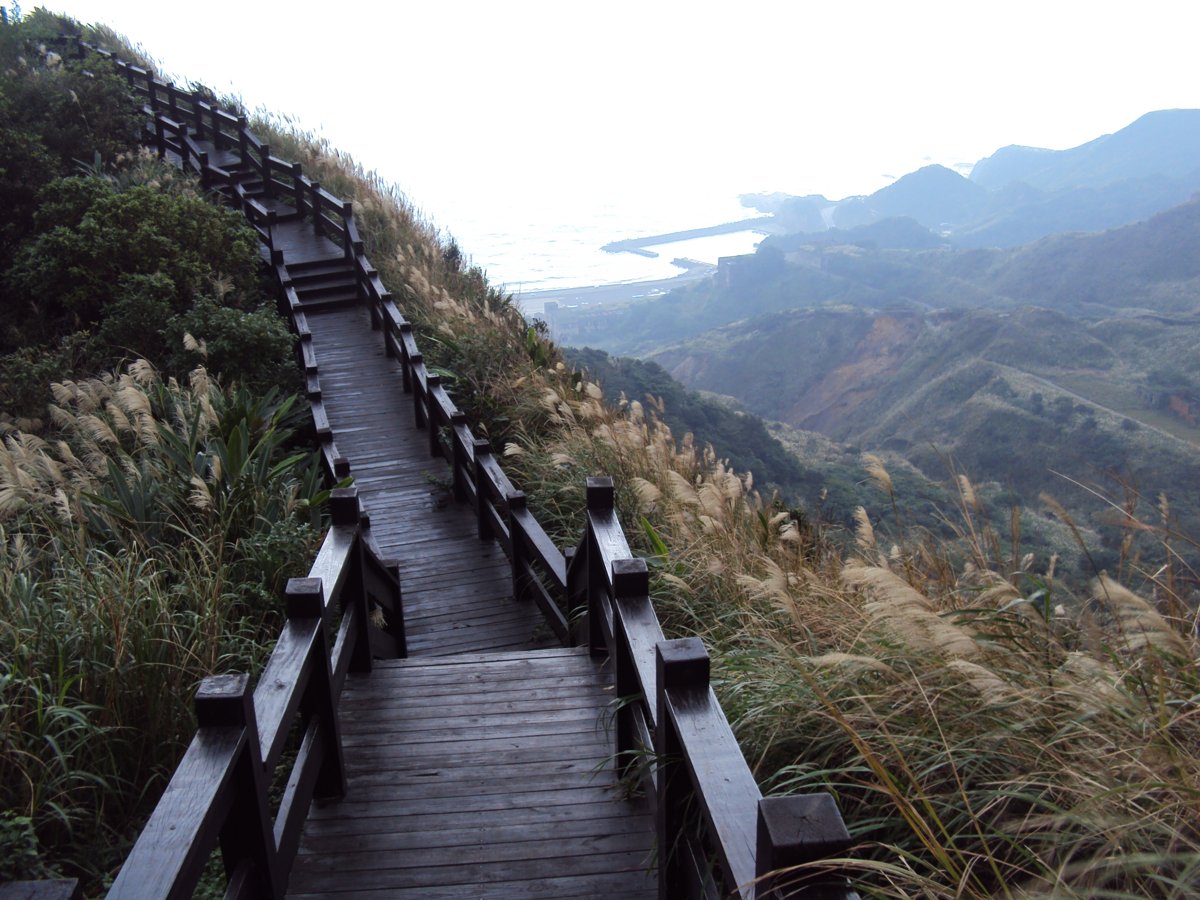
x: 720, y: 778
x: 482, y: 874
x: 530, y: 851
x: 642, y: 632
x: 548, y: 554
x: 624, y: 881
x: 377, y: 820
x: 182, y: 829
x: 610, y: 540
x: 280, y: 687
x: 563, y: 830
x: 50, y: 889
x: 330, y: 564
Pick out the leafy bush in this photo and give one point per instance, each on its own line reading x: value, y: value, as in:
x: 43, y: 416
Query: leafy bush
x: 253, y: 348
x: 67, y: 278
x: 50, y: 117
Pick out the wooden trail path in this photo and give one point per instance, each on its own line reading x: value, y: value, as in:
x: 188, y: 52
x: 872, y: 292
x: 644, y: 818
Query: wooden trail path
x: 481, y: 765
x: 425, y: 725
x: 457, y: 588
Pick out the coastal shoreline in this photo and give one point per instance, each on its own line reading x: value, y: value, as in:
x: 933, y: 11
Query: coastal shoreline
x: 534, y: 302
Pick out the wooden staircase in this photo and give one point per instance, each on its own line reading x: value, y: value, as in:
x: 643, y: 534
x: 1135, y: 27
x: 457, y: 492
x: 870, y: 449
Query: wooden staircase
x: 324, y: 284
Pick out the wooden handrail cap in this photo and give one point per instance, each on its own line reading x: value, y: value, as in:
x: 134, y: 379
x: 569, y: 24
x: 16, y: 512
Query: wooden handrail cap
x: 304, y: 598
x: 682, y: 663
x: 799, y: 829
x: 601, y: 495
x: 630, y: 578
x: 223, y: 700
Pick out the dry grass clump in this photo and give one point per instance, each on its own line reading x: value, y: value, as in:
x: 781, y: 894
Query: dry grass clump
x: 143, y: 543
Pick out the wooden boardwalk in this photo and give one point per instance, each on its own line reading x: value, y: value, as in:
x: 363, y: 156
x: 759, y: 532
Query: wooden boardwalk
x: 480, y: 766
x: 483, y: 764
x: 482, y: 775
x: 457, y: 588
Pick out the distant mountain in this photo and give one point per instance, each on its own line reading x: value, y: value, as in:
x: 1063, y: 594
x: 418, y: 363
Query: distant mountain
x: 935, y: 196
x: 1150, y: 266
x: 1166, y: 142
x: 1021, y: 213
x: 1019, y: 194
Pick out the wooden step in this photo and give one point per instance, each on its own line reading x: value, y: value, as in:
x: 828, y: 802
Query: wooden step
x: 321, y: 285
x: 329, y: 301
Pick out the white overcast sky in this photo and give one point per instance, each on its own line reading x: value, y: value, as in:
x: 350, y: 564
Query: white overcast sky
x: 802, y: 97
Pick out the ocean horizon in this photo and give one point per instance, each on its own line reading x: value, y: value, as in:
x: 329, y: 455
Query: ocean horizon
x: 539, y: 243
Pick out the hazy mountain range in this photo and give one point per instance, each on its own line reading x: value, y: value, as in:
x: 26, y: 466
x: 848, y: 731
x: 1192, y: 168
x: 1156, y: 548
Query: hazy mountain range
x: 1021, y: 193
x: 919, y: 325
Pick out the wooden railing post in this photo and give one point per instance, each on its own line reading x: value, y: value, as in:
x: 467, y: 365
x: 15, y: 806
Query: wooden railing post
x: 575, y: 559
x: 344, y: 510
x: 516, y: 535
x: 243, y: 138
x: 683, y: 669
x: 483, y: 451
x: 795, y: 830
x: 272, y: 221
x: 601, y: 498
x: 267, y: 181
x: 419, y: 393
x: 247, y: 839
x: 396, y: 624
x: 298, y: 187
x: 431, y: 415
x: 460, y: 463
x: 347, y: 215
x: 631, y: 579
x: 318, y: 221
x: 405, y: 368
x: 305, y: 600
x: 160, y: 137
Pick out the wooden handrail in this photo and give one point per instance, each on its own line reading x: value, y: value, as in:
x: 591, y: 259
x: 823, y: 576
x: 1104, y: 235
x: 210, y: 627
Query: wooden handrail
x: 218, y: 793
x: 716, y: 833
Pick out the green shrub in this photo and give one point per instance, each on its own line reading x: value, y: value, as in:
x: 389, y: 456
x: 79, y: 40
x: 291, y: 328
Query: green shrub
x: 251, y: 348
x: 66, y: 278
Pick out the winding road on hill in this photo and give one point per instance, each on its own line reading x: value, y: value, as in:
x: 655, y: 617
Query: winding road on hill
x: 1108, y: 409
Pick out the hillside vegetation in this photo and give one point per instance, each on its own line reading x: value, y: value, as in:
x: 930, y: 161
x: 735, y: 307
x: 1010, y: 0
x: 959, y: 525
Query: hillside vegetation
x: 985, y: 729
x: 149, y: 516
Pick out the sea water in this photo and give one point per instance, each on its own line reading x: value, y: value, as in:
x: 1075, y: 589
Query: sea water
x: 537, y: 240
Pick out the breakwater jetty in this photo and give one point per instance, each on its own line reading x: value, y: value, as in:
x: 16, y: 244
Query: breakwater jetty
x: 639, y: 245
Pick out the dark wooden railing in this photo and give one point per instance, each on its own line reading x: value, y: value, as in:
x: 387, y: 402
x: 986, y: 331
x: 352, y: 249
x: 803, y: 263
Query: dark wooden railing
x: 715, y: 830
x: 717, y: 834
x: 219, y: 794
